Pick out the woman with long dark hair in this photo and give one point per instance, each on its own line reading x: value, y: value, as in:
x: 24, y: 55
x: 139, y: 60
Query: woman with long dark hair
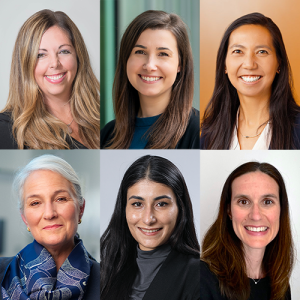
x: 252, y: 106
x: 248, y: 253
x: 150, y: 249
x: 153, y: 87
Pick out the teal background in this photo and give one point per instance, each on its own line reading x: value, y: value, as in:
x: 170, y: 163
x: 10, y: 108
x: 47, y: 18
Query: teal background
x: 115, y: 16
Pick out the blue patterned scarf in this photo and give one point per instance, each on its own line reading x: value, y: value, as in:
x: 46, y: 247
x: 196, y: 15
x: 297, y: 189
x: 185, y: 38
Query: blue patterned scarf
x: 32, y: 274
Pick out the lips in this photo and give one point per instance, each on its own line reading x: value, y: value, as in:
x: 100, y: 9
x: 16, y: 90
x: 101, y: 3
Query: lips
x: 256, y: 229
x: 150, y: 79
x: 52, y: 227
x: 56, y: 78
x: 250, y: 78
x: 149, y: 231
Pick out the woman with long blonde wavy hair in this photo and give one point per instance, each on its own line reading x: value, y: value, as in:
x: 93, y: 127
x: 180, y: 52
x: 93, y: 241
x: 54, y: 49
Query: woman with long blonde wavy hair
x: 54, y: 96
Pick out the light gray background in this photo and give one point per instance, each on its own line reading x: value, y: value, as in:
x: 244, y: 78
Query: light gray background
x: 114, y: 164
x: 13, y: 14
x: 216, y: 167
x: 86, y: 164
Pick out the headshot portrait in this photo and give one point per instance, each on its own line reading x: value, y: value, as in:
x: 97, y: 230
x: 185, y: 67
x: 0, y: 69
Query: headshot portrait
x: 51, y: 99
x: 249, y: 91
x: 48, y: 223
x: 149, y: 225
x: 152, y: 102
x: 249, y: 225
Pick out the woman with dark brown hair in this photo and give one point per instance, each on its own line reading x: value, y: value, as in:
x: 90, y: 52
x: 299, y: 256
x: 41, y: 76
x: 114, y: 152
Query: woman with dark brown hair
x: 248, y: 251
x: 252, y: 106
x: 153, y: 87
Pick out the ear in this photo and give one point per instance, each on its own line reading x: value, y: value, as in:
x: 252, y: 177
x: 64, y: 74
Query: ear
x: 24, y: 219
x: 178, y: 70
x: 82, y: 209
x: 229, y: 212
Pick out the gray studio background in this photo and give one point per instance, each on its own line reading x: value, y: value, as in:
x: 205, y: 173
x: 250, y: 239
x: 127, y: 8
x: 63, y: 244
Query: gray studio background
x: 85, y: 14
x: 216, y: 167
x: 115, y: 163
x: 86, y: 163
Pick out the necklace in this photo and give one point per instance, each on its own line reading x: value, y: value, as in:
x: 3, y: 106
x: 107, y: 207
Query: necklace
x: 69, y: 128
x: 253, y: 136
x: 256, y: 282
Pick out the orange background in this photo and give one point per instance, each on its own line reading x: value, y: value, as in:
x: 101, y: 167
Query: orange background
x: 216, y: 16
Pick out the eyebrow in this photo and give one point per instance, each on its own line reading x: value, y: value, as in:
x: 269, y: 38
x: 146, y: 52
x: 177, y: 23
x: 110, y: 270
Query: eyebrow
x: 263, y: 196
x: 157, y: 48
x: 54, y: 194
x: 58, y: 47
x: 155, y: 199
x: 256, y: 47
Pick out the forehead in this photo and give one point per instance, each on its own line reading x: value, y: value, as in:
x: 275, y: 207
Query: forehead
x: 55, y: 35
x: 249, y: 35
x: 44, y: 181
x: 254, y: 183
x: 149, y: 189
x: 157, y: 38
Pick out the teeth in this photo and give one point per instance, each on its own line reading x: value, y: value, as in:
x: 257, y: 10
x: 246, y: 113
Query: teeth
x: 250, y: 78
x: 150, y: 78
x: 149, y: 231
x: 55, y: 77
x: 256, y: 229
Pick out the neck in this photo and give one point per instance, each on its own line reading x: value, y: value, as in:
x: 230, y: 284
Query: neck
x: 254, y: 260
x: 153, y: 106
x: 60, y: 255
x: 59, y: 108
x: 253, y: 112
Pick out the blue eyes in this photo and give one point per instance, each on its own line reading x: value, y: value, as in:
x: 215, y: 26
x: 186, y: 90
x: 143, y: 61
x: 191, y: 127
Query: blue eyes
x: 41, y: 55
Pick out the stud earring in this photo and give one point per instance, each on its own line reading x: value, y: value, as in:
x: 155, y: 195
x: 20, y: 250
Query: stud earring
x: 278, y: 71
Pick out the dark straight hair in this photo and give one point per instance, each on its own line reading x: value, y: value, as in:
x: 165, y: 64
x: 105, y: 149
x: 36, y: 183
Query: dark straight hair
x: 119, y: 248
x: 172, y: 124
x: 223, y: 251
x: 219, y: 118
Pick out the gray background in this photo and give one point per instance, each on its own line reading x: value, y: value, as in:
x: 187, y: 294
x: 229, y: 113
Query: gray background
x: 86, y: 163
x: 216, y: 166
x: 114, y: 164
x: 85, y: 14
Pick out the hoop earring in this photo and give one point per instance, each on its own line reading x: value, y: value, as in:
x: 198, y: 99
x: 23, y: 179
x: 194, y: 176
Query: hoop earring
x: 79, y: 222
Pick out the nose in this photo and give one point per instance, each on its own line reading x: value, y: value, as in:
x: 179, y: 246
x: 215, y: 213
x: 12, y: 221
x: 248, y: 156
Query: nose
x: 50, y: 211
x: 150, y: 64
x: 149, y: 216
x: 249, y: 61
x: 54, y: 63
x: 255, y: 213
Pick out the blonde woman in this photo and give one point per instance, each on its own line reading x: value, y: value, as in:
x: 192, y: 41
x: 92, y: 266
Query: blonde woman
x: 53, y: 100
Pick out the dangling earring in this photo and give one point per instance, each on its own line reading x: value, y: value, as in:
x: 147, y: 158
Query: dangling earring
x: 79, y: 222
x: 28, y: 229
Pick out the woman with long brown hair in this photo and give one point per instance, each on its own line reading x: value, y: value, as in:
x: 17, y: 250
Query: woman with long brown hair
x: 153, y: 87
x: 53, y: 100
x: 248, y: 251
x: 252, y: 106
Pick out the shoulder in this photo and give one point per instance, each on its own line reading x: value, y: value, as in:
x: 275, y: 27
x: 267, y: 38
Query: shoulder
x: 4, y: 262
x: 93, y: 286
x: 106, y: 133
x: 190, y: 139
x: 7, y: 140
x: 209, y: 284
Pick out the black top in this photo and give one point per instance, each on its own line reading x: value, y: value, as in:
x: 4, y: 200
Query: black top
x: 93, y: 286
x: 296, y: 136
x: 209, y: 286
x: 177, y: 279
x: 190, y: 139
x: 7, y: 140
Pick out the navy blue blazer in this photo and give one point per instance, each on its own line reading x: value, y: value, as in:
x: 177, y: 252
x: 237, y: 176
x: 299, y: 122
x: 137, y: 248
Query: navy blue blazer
x: 93, y: 286
x: 296, y: 135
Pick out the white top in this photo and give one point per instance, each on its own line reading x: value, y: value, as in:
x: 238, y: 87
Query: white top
x: 262, y: 143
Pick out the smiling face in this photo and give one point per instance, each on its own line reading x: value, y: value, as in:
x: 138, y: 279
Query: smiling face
x: 255, y: 209
x: 56, y: 64
x: 251, y: 62
x: 153, y: 64
x: 151, y: 213
x: 50, y: 210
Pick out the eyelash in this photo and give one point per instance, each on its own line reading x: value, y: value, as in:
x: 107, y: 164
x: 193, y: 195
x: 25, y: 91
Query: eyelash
x: 243, y: 200
x: 40, y: 55
x: 238, y: 51
x: 143, y: 52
